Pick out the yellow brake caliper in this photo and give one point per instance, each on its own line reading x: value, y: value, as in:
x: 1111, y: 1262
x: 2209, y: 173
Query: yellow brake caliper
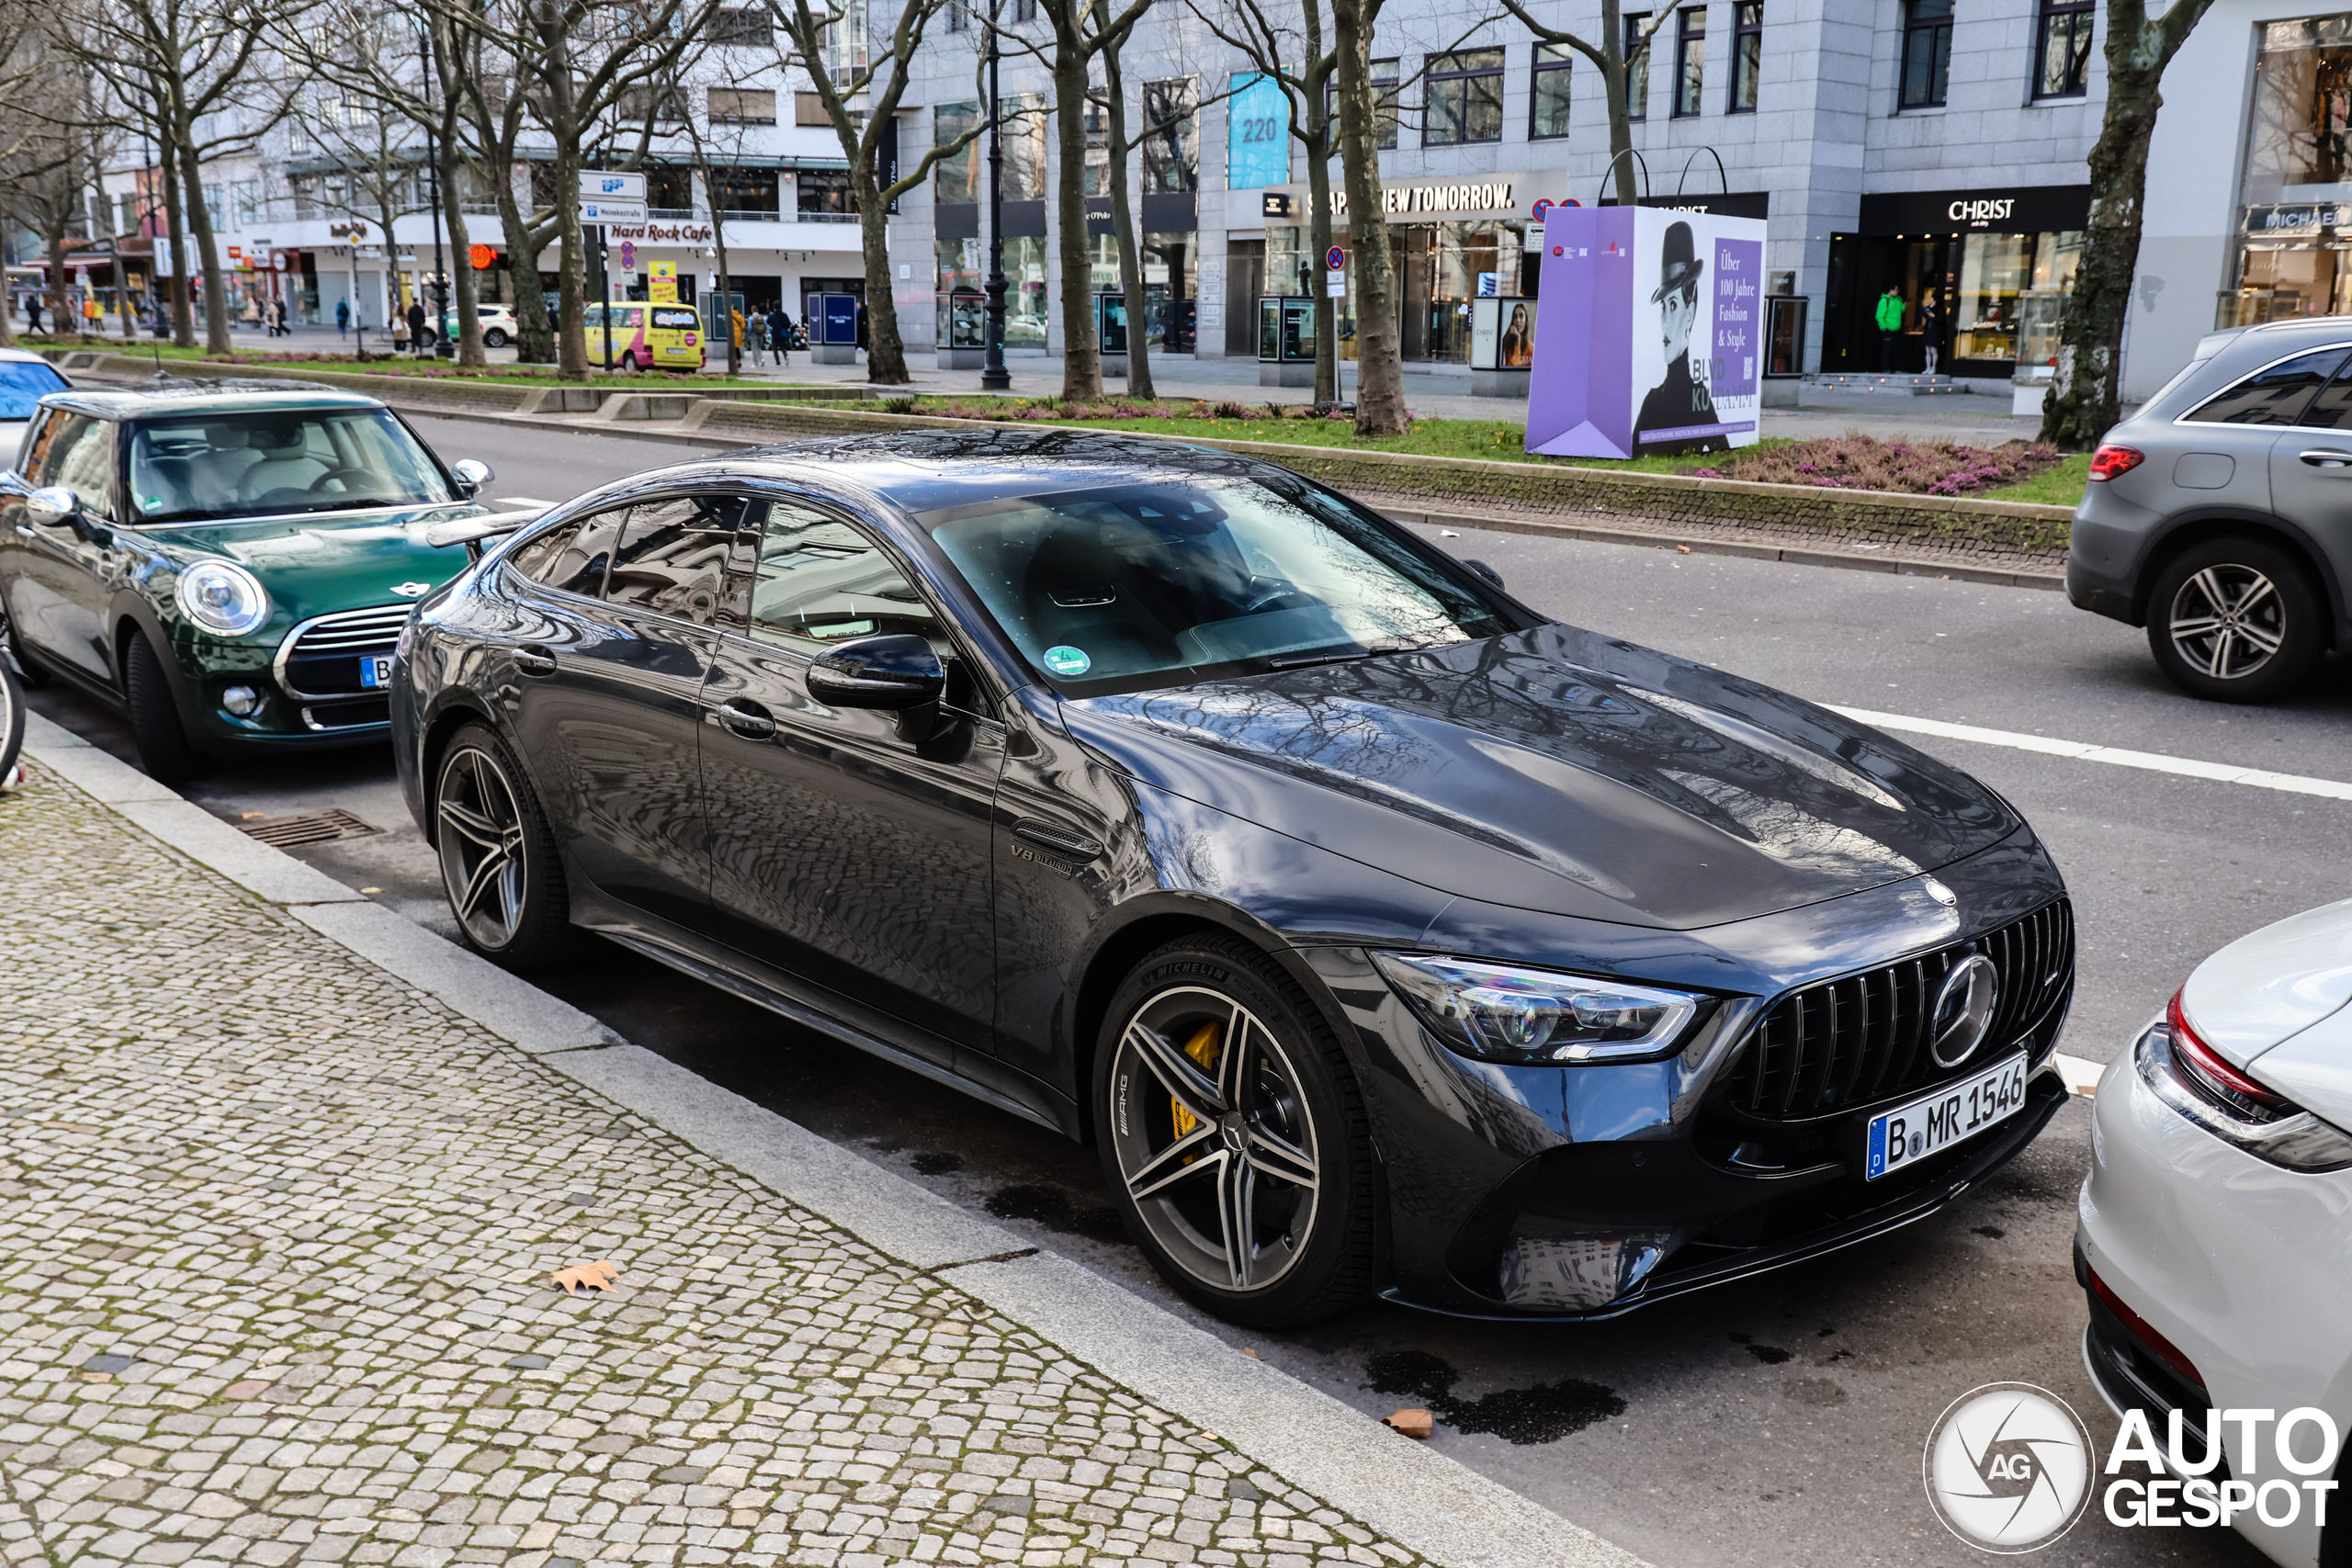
x: 1203, y: 1048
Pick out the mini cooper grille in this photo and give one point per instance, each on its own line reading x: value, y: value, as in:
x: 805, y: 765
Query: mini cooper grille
x: 1857, y: 1040
x: 353, y: 632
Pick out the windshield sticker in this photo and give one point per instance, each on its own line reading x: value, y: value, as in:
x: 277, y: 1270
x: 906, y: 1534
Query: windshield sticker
x: 1064, y: 660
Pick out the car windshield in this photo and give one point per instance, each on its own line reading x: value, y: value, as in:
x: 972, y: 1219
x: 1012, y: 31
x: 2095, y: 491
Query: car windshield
x: 23, y: 384
x: 251, y: 465
x: 1128, y: 587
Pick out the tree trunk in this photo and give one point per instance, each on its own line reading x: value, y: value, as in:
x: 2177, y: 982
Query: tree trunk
x: 55, y: 238
x: 725, y: 285
x: 1122, y: 221
x: 1380, y: 362
x: 885, y: 351
x: 176, y: 233
x: 2086, y: 388
x: 208, y: 250
x: 1081, y: 356
x: 534, y: 339
x: 1326, y: 310
x: 467, y: 298
x: 571, y: 260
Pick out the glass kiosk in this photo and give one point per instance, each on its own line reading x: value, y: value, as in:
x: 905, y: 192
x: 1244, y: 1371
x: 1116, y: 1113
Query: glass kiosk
x: 1286, y: 341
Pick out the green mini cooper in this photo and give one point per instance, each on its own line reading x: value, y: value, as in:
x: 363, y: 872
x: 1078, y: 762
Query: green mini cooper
x: 230, y: 561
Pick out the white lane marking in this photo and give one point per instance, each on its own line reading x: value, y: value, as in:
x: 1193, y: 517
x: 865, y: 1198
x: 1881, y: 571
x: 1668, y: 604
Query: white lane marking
x: 2083, y: 752
x: 523, y: 501
x: 2081, y: 1075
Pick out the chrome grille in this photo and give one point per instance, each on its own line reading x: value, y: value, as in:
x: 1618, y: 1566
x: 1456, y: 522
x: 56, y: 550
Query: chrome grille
x: 321, y: 657
x: 1861, y: 1038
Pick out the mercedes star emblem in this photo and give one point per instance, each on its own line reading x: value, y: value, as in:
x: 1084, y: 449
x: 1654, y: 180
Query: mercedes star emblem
x: 1938, y: 892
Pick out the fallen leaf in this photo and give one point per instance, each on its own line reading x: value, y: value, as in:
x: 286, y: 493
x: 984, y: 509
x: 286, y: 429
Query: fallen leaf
x: 1252, y: 1354
x: 371, y: 890
x: 575, y: 1278
x: 247, y: 815
x: 1413, y: 1422
x: 1679, y: 550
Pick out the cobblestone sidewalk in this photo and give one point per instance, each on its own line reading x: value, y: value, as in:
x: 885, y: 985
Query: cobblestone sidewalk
x: 274, y: 1287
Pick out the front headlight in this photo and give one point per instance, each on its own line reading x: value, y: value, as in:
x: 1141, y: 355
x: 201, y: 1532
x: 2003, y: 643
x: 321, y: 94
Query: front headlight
x: 222, y: 598
x: 1499, y: 1013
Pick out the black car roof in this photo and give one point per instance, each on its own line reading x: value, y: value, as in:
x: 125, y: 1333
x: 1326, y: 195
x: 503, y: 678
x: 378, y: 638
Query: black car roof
x: 921, y: 469
x: 227, y: 395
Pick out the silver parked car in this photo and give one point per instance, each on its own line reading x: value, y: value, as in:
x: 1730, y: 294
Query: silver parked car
x: 2220, y: 515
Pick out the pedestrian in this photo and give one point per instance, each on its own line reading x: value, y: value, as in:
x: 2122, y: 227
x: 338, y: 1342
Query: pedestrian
x: 416, y: 328
x: 400, y: 332
x: 735, y: 330
x: 861, y: 324
x: 1931, y: 326
x: 32, y: 312
x: 341, y: 318
x: 755, y: 338
x: 780, y: 333
x: 1889, y: 317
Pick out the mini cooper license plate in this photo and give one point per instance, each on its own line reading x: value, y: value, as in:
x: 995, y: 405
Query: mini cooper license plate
x: 1952, y: 1114
x: 376, y: 670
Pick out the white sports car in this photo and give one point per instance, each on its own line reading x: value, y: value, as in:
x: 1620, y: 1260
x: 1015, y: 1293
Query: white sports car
x: 2214, y: 1236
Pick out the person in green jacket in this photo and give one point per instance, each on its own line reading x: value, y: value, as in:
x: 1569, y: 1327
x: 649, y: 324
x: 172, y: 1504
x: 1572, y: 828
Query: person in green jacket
x: 1890, y: 323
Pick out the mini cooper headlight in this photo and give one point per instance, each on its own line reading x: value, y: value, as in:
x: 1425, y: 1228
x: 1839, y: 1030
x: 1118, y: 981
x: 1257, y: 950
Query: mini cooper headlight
x: 1499, y: 1013
x: 223, y: 599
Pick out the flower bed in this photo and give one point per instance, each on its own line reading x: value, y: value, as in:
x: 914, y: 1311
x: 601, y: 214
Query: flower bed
x: 1910, y: 468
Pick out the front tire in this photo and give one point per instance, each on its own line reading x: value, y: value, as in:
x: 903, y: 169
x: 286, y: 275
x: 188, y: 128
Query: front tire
x: 164, y: 747
x: 2236, y: 621
x: 493, y: 339
x: 1233, y: 1135
x: 499, y: 863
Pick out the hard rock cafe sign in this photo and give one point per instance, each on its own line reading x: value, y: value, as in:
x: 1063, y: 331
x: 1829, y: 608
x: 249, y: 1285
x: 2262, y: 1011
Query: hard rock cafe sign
x: 660, y: 233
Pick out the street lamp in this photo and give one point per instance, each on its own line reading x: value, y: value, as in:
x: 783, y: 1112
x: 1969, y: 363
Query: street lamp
x: 442, y: 347
x: 994, y: 377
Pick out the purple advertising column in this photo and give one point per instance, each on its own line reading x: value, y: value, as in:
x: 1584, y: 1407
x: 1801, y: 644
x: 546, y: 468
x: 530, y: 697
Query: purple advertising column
x: 1577, y: 402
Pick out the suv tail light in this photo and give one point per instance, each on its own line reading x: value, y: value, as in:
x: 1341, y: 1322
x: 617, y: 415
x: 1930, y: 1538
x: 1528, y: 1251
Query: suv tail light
x: 2194, y: 1080
x: 2140, y: 1328
x: 2110, y: 461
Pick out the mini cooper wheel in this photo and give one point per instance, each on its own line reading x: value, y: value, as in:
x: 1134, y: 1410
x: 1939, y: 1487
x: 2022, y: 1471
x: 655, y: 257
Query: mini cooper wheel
x: 164, y: 750
x: 26, y: 666
x: 499, y: 865
x: 1233, y: 1135
x: 2235, y: 621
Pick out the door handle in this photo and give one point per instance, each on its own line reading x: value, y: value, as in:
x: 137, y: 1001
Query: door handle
x: 749, y: 720
x: 1061, y: 840
x: 2326, y: 458
x: 534, y: 661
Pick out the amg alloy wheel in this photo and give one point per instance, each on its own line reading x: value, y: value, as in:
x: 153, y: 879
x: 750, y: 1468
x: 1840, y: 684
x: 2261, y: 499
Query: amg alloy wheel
x: 1233, y: 1137
x: 2235, y: 620
x: 498, y: 859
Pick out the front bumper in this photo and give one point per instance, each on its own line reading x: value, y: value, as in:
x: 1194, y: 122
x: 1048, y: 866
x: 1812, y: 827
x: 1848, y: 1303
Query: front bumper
x: 1584, y: 1192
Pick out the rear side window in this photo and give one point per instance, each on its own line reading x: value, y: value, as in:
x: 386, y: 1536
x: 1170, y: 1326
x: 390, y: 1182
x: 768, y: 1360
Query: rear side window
x: 2279, y: 395
x: 79, y: 456
x: 674, y: 556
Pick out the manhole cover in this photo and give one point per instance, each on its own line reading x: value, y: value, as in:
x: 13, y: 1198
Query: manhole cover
x: 308, y: 828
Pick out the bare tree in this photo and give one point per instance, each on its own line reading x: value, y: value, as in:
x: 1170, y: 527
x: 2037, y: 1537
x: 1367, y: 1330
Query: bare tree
x: 1081, y: 30
x: 1380, y: 357
x: 1608, y: 55
x: 2087, y: 391
x: 193, y: 69
x: 842, y: 73
x: 49, y: 162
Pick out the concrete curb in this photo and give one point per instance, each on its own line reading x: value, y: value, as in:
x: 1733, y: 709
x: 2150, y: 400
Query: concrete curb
x: 1410, y: 1494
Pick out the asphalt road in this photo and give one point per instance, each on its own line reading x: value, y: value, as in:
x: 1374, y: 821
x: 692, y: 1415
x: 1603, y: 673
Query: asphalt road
x: 1776, y: 1423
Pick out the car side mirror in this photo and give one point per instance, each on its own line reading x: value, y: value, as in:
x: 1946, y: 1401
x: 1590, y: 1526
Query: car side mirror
x: 53, y: 504
x: 892, y: 674
x: 1493, y: 578
x: 471, y: 474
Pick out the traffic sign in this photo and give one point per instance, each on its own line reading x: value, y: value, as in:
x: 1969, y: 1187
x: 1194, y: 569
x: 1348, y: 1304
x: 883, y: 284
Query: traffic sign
x: 1335, y: 259
x: 1541, y: 210
x: 603, y: 211
x: 629, y: 256
x: 603, y: 183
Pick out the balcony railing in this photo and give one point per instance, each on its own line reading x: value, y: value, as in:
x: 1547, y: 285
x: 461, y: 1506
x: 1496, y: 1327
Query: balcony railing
x: 673, y: 214
x: 808, y: 216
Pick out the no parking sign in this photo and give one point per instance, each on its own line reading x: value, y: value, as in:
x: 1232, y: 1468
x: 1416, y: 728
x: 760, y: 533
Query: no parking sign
x: 629, y: 256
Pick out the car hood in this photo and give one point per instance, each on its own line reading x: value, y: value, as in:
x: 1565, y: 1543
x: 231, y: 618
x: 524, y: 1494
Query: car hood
x: 1557, y: 770
x: 321, y: 562
x: 2272, y: 984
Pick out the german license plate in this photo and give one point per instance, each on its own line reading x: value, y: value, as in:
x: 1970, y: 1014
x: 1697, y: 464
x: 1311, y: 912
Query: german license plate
x: 1952, y: 1114
x: 376, y: 670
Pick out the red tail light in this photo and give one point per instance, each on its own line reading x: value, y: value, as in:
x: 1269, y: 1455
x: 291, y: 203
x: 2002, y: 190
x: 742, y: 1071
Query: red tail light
x: 2163, y: 1349
x: 2110, y: 461
x: 2216, y: 1075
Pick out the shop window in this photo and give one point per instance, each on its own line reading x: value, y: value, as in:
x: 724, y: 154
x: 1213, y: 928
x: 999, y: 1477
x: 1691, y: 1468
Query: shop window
x: 2062, y: 66
x: 2276, y: 396
x: 1690, y: 60
x: 1024, y: 146
x: 2298, y: 135
x: 741, y: 105
x: 1023, y: 12
x: 1465, y: 98
x: 824, y: 191
x: 1094, y: 127
x: 1385, y: 87
x: 808, y: 108
x: 747, y: 25
x: 750, y: 192
x: 1926, y: 54
x: 1637, y: 66
x: 1547, y: 109
x: 956, y: 177
x: 670, y: 190
x: 1172, y: 156
x: 1747, y: 53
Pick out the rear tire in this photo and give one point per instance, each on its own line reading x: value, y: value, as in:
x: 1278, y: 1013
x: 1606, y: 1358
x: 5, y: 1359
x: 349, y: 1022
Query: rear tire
x: 500, y: 866
x: 2237, y: 620
x: 493, y: 339
x: 628, y: 361
x: 1257, y: 1179
x: 164, y: 750
x: 12, y: 726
